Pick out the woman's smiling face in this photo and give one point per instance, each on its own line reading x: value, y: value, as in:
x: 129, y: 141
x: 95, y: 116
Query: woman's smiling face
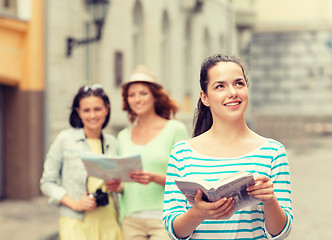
x: 227, y: 91
x: 140, y: 98
x: 93, y: 112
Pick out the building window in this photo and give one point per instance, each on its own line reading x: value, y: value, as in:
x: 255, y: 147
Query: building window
x: 165, y: 49
x: 207, y: 43
x: 118, y: 68
x: 188, y: 58
x: 221, y: 43
x: 187, y: 100
x: 8, y: 6
x: 138, y: 35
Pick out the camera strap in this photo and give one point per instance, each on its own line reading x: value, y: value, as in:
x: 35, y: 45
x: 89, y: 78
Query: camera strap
x: 102, y: 143
x: 103, y: 152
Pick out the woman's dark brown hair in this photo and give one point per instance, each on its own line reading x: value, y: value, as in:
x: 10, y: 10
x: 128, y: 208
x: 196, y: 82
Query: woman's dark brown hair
x: 203, y: 118
x: 86, y: 91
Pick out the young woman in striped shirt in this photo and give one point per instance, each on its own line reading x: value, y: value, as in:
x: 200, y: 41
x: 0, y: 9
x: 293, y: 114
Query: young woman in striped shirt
x: 224, y: 144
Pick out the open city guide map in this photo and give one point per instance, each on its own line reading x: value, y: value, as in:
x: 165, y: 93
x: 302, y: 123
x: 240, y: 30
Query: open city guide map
x: 111, y: 167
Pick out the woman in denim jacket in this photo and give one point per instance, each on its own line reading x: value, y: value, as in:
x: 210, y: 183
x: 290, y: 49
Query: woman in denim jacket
x: 65, y: 178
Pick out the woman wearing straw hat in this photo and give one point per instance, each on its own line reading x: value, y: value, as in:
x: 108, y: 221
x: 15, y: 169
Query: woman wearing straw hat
x: 152, y: 134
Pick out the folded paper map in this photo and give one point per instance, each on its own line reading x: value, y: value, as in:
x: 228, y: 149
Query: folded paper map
x: 110, y: 167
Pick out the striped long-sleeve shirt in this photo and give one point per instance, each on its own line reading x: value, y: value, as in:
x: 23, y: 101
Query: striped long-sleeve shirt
x: 270, y: 159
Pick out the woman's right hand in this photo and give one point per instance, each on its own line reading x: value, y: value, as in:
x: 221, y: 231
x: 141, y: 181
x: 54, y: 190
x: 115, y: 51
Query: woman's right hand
x: 86, y: 203
x: 185, y: 224
x: 215, y: 210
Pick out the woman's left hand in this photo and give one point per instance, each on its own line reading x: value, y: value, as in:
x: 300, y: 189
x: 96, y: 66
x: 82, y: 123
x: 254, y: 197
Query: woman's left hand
x: 141, y: 177
x: 114, y: 185
x: 262, y: 189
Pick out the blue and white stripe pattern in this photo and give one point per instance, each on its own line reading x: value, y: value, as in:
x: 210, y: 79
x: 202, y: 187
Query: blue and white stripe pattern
x: 270, y: 159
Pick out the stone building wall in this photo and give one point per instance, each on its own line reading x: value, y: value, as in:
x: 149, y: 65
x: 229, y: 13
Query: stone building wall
x: 290, y: 83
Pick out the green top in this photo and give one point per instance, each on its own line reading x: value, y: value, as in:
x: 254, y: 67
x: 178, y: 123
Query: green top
x: 138, y: 197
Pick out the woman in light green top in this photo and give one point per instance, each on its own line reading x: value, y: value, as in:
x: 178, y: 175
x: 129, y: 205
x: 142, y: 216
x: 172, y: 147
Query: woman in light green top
x: 152, y: 134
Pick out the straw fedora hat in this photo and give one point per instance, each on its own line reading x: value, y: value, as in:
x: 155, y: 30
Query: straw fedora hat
x: 142, y: 74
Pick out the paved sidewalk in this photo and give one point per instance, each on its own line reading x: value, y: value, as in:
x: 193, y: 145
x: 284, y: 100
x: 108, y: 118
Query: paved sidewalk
x: 311, y: 190
x: 310, y: 174
x: 28, y: 220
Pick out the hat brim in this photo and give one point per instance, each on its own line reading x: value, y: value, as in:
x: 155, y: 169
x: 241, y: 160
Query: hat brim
x: 157, y: 85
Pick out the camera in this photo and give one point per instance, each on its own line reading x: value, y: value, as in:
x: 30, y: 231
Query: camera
x: 101, y: 197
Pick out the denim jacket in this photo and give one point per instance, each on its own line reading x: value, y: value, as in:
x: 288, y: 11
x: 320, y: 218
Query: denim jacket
x: 64, y: 172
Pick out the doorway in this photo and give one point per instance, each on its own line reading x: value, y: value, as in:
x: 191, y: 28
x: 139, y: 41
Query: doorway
x: 2, y: 160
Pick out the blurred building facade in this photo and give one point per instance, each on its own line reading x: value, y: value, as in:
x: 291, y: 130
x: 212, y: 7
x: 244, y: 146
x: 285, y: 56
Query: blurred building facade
x: 171, y: 37
x: 22, y: 79
x: 290, y: 56
x: 38, y: 80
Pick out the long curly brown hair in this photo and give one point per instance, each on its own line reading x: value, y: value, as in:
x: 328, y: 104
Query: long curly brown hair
x: 164, y: 106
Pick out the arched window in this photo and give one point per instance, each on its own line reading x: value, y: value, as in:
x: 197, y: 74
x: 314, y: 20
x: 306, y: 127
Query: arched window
x: 165, y: 49
x: 138, y: 35
x: 188, y: 80
x: 188, y: 57
x: 221, y: 44
x: 207, y: 43
x: 9, y: 6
